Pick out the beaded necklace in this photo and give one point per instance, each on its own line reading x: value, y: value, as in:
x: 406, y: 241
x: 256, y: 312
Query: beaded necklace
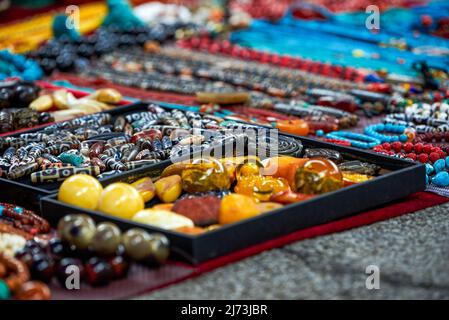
x: 12, y: 65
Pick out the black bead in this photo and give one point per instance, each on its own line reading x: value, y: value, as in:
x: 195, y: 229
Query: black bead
x: 42, y: 268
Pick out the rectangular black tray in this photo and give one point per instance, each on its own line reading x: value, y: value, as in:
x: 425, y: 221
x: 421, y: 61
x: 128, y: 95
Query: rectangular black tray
x: 26, y: 194
x: 400, y: 178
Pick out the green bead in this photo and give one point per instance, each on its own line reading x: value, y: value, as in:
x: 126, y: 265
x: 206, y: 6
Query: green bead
x: 5, y: 294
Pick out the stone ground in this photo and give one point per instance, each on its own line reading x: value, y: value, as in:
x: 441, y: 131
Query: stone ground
x: 411, y: 251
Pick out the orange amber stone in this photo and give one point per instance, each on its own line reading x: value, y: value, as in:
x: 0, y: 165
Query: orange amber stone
x: 318, y: 176
x: 324, y: 168
x: 298, y: 126
x: 235, y: 207
x: 260, y: 187
x: 283, y: 167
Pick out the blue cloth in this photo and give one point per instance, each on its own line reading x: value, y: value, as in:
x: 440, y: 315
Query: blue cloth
x: 343, y: 39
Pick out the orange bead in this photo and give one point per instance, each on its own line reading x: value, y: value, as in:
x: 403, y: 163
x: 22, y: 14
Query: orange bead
x: 283, y: 167
x: 260, y: 188
x: 298, y: 127
x: 236, y: 207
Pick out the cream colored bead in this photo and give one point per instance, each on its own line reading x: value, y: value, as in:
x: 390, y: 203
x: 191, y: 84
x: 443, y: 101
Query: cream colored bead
x: 11, y: 243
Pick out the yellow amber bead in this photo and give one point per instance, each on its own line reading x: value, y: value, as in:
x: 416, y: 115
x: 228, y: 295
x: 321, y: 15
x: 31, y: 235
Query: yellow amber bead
x: 146, y: 188
x: 121, y: 200
x: 168, y: 189
x: 261, y: 188
x: 81, y: 190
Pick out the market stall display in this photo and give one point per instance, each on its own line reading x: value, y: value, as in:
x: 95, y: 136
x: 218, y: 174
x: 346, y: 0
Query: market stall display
x: 260, y: 128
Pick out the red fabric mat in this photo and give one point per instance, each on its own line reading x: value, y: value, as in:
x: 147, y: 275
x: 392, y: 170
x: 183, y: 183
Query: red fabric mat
x: 142, y: 280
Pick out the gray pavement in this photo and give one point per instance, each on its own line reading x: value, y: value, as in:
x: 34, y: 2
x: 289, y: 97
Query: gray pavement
x: 411, y: 251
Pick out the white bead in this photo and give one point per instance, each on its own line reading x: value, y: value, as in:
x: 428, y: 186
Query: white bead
x: 11, y: 243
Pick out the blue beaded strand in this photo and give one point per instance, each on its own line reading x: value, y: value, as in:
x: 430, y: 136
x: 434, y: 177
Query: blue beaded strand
x: 16, y: 65
x: 440, y: 176
x: 357, y: 140
x: 373, y: 131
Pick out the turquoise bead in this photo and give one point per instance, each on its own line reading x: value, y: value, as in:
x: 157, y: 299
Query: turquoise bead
x: 5, y: 294
x: 447, y: 162
x: 71, y: 158
x: 439, y: 165
x: 429, y: 169
x: 403, y: 138
x: 441, y: 179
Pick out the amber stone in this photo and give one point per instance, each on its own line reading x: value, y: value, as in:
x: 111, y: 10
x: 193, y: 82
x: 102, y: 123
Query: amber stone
x: 260, y: 188
x: 318, y: 176
x: 205, y: 177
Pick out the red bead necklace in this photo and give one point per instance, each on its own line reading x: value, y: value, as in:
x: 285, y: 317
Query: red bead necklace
x: 421, y: 152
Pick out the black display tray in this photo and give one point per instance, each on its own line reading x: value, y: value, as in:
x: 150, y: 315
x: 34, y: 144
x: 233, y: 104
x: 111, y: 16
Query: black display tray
x: 399, y: 179
x: 24, y: 192
x: 27, y: 194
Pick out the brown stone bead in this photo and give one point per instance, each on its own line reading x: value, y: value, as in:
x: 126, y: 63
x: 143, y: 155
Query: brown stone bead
x: 33, y: 290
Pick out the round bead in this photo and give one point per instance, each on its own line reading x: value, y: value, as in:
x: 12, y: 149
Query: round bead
x: 137, y: 243
x: 120, y: 266
x: 427, y: 148
x: 81, y: 190
x: 397, y: 146
x: 66, y: 267
x: 418, y: 147
x: 434, y: 156
x: 386, y: 146
x: 42, y: 268
x: 121, y: 200
x: 77, y: 230
x: 423, y: 158
x: 106, y: 239
x: 408, y: 147
x: 412, y: 156
x: 98, y: 272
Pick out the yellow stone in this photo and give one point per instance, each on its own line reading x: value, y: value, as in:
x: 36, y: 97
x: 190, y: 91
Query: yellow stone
x: 162, y: 219
x: 168, y: 189
x: 81, y: 190
x: 41, y: 104
x: 121, y: 200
